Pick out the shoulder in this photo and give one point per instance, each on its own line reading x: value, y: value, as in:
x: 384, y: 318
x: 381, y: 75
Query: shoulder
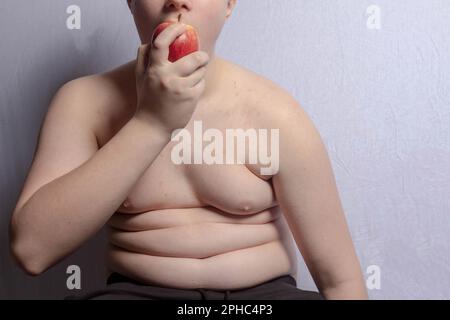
x: 97, y: 98
x: 269, y: 102
x: 70, y: 101
x: 299, y: 141
x: 103, y: 87
x: 273, y: 107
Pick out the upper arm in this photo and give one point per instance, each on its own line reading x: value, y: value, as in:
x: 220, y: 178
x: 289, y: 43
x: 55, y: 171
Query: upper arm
x: 307, y: 194
x: 66, y: 140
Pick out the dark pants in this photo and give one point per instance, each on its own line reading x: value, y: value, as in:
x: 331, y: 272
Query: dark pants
x: 120, y: 287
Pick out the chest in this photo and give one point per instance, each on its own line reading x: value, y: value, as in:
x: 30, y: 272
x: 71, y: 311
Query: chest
x: 208, y: 163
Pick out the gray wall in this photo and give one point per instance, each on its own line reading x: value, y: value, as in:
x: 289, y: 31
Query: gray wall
x: 380, y: 98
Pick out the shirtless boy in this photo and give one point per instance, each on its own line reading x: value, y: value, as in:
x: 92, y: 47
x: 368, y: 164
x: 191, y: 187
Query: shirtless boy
x: 192, y: 230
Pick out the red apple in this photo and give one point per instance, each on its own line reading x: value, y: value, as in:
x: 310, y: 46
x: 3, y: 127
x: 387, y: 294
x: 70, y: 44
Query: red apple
x: 185, y: 44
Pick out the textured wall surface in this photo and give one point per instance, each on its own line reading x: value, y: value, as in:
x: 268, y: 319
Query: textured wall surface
x: 373, y: 76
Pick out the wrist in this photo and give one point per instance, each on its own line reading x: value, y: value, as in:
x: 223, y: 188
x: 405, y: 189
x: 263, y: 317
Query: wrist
x: 150, y: 123
x: 151, y: 127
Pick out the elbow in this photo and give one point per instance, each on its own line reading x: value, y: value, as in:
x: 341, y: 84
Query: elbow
x: 27, y: 260
x: 26, y: 255
x: 23, y: 250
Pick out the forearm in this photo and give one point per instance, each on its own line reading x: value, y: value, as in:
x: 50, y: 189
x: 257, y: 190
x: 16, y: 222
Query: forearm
x: 63, y: 214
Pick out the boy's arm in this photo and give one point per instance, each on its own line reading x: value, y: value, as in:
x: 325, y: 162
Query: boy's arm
x: 73, y: 188
x: 307, y: 194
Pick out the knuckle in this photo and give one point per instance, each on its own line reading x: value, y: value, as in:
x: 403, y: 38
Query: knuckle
x: 158, y: 43
x: 204, y: 56
x: 177, y: 89
x: 165, y: 82
x: 200, y: 58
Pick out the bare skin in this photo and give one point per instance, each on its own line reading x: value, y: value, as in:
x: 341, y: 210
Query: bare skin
x: 187, y: 226
x: 180, y: 228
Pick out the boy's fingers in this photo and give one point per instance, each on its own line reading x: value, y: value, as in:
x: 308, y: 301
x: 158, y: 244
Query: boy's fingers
x: 160, y: 46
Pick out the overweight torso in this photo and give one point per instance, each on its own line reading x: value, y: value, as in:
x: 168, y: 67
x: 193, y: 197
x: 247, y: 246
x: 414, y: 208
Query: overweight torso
x: 187, y: 226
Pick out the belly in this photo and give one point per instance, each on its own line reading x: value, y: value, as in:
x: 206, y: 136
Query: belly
x: 201, y: 248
